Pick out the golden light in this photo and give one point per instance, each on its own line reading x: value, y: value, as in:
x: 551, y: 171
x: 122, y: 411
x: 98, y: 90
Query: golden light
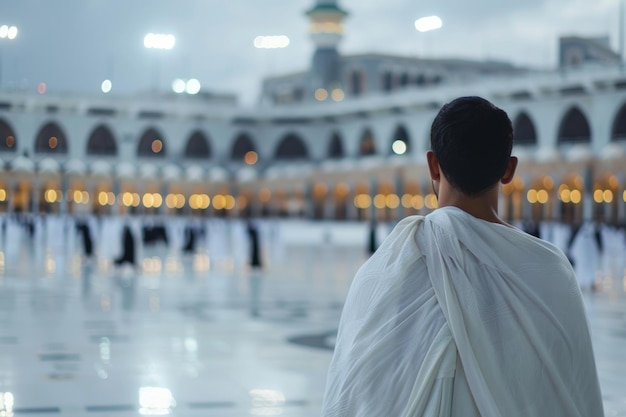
x: 157, y: 200
x: 127, y: 199
x: 407, y: 201
x: 251, y: 158
x: 575, y: 196
x: 205, y: 201
x: 50, y: 196
x: 242, y: 202
x: 507, y: 189
x: 265, y: 195
x: 53, y: 142
x: 170, y: 201
x: 362, y: 201
x: 230, y: 202
x: 563, y: 187
x: 431, y: 201
x: 597, y: 196
x: 565, y: 195
x: 110, y: 198
x: 78, y: 196
x: 219, y: 202
x: 392, y: 201
x: 10, y: 141
x: 518, y: 183
x: 321, y: 94
x: 320, y: 189
x: 542, y: 196
x: 136, y: 200
x: 337, y: 94
x: 418, y: 202
x: 180, y: 201
x: 578, y: 182
x: 379, y: 201
x: 3, y: 194
x: 193, y: 201
x: 531, y: 196
x: 607, y: 196
x: 157, y: 146
x: 613, y: 182
x: 148, y: 200
x: 548, y: 183
x: 624, y: 196
x: 103, y: 199
x: 342, y: 189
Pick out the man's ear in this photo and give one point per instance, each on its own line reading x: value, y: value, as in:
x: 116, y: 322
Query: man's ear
x: 433, y: 166
x: 510, y: 170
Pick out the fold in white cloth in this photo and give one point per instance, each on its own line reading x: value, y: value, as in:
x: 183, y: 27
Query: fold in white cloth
x: 456, y: 316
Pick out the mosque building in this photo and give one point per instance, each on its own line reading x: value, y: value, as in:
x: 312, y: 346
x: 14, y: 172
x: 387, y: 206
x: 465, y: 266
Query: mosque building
x: 344, y: 140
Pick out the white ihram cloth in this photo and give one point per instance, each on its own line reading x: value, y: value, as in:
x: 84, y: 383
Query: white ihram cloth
x: 456, y: 316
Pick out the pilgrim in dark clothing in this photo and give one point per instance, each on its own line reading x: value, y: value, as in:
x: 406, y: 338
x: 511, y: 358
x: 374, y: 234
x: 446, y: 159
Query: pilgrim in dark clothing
x: 255, y: 256
x: 372, y: 245
x: 190, y: 239
x: 83, y: 229
x: 128, y: 246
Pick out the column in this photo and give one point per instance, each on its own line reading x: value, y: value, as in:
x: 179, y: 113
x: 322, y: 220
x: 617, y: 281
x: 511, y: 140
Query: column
x: 36, y: 193
x: 373, y: 190
x: 11, y: 189
x: 65, y: 193
x: 399, y: 187
x: 587, y: 199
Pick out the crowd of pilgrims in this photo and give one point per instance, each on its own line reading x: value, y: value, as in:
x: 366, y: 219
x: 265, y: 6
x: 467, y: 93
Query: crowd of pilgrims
x: 124, y: 241
x: 597, y: 251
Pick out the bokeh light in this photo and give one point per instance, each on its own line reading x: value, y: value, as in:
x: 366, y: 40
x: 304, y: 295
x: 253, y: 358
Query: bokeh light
x: 399, y: 147
x: 159, y: 41
x: 271, y: 42
x: 106, y: 86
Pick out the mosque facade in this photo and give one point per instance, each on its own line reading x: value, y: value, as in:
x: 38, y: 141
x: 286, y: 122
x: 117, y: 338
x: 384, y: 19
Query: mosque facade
x: 345, y: 140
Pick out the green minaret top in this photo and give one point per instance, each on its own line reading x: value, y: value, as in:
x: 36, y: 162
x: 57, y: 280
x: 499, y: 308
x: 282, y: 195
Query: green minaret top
x: 327, y: 6
x: 326, y: 31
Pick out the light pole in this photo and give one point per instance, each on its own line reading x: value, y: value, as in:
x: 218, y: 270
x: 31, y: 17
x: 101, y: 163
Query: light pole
x: 160, y: 41
x: 10, y: 33
x: 428, y: 24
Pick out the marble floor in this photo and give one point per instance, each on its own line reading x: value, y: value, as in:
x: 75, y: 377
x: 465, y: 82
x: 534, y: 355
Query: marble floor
x: 191, y: 339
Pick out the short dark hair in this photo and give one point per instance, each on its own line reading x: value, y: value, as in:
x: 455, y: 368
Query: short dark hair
x: 472, y: 140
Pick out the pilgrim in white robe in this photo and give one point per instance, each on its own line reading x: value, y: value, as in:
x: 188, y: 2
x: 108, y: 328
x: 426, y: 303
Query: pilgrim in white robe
x: 456, y: 316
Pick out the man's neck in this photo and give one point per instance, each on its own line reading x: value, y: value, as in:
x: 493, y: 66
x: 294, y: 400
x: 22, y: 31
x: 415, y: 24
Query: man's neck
x: 484, y: 207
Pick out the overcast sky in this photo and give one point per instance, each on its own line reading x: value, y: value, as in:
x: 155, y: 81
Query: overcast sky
x: 73, y: 45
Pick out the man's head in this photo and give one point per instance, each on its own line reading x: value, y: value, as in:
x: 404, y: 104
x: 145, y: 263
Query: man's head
x: 472, y: 141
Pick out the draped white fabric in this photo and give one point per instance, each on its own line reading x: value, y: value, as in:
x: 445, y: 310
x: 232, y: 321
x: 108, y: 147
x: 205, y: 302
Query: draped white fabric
x: 455, y: 316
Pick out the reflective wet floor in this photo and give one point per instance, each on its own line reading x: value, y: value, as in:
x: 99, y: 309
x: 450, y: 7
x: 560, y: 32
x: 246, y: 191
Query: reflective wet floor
x: 188, y: 338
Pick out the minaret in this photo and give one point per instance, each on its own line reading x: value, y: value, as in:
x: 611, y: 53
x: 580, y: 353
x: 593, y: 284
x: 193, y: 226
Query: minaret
x: 326, y: 31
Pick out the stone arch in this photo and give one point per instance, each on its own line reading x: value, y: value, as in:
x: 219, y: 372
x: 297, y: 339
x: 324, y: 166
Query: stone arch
x: 291, y: 147
x: 51, y: 139
x: 402, y: 135
x: 618, y: 132
x: 524, y: 130
x: 7, y: 137
x: 152, y: 144
x: 101, y: 142
x: 367, y: 144
x: 198, y: 146
x: 574, y: 127
x: 335, y: 147
x: 242, y: 145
